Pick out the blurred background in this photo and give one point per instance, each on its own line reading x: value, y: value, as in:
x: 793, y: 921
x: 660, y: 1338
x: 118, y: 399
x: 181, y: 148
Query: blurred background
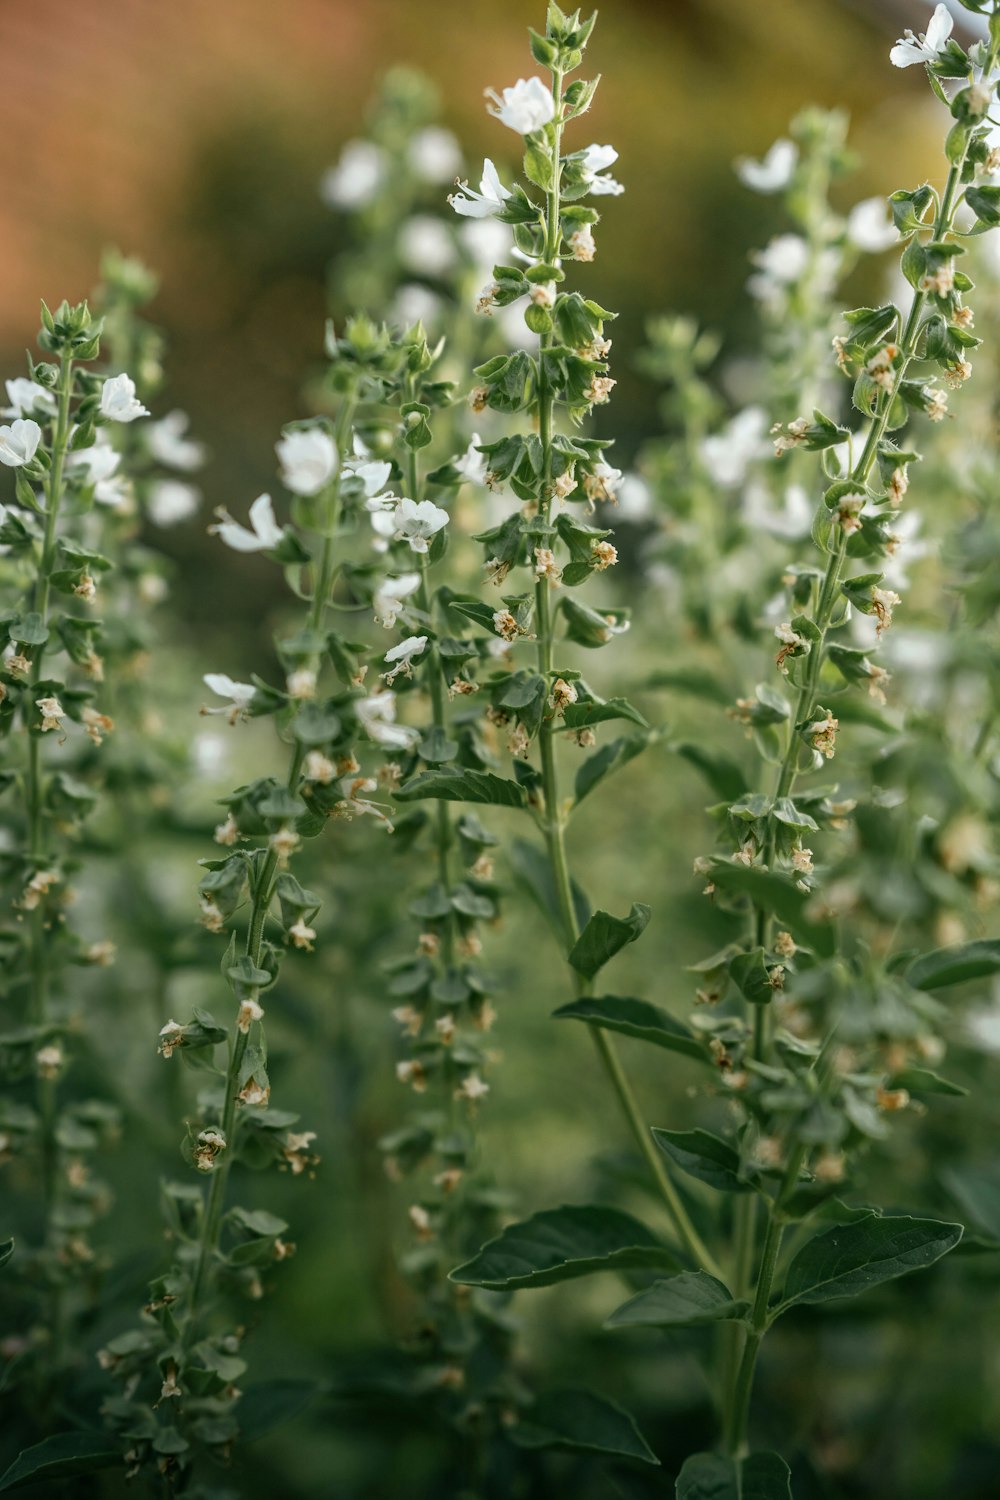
x: 196, y: 135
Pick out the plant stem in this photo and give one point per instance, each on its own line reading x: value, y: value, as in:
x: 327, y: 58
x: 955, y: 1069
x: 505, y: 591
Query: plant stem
x: 553, y: 817
x: 262, y: 895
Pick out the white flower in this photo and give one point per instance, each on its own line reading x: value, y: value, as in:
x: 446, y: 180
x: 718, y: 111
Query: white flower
x: 100, y: 460
x: 924, y: 48
x: 595, y: 159
x: 26, y: 395
x: 773, y: 172
x: 417, y: 522
x: 415, y: 303
x: 172, y: 501
x: 377, y: 716
x: 389, y: 596
x: 426, y: 245
x: 266, y: 532
x: 472, y: 464
x: 400, y: 658
x: 728, y: 454
x: 488, y: 201
x: 115, y: 493
x: 19, y: 442
x: 485, y: 242
x: 603, y: 483
x: 635, y: 499
x: 169, y: 446
x: 356, y: 178
x: 869, y: 228
x: 374, y: 475
x: 435, y: 154
x: 308, y: 460
x: 783, y: 259
x: 525, y: 107
x: 236, y: 694
x: 119, y: 402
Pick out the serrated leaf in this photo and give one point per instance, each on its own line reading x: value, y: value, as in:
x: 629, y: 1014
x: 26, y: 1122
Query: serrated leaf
x: 560, y: 1244
x: 604, y: 936
x: 582, y: 1422
x: 636, y: 1018
x: 850, y: 1259
x: 955, y: 965
x: 685, y: 1301
x: 707, y: 1157
x: 463, y: 786
x: 60, y: 1457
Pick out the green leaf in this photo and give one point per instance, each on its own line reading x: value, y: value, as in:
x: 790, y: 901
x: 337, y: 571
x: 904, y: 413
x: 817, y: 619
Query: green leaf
x: 748, y: 972
x: 583, y: 1422
x: 635, y: 1018
x: 534, y: 870
x: 923, y: 1081
x: 585, y: 715
x: 6, y: 1251
x: 603, y: 937
x: 775, y: 894
x: 685, y: 1301
x: 61, y: 1456
x: 723, y: 775
x: 956, y: 965
x: 463, y: 786
x: 560, y: 1244
x: 707, y: 1157
x: 709, y: 1476
x: 691, y: 680
x: 610, y: 757
x: 977, y: 1193
x: 851, y: 1258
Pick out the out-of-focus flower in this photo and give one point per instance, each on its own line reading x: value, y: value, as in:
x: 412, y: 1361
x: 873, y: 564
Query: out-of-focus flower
x: 773, y: 172
x: 356, y: 178
x: 870, y: 227
x: 169, y: 445
x: 308, y: 459
x: 265, y: 532
x: 171, y: 501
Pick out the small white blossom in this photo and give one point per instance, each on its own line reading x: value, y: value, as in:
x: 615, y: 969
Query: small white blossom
x: 773, y: 172
x: 488, y: 201
x: 400, y: 657
x: 119, y: 402
x: 870, y: 228
x: 100, y: 461
x: 472, y: 464
x: 525, y: 107
x: 308, y: 460
x: 603, y: 483
x: 356, y: 178
x: 27, y: 395
x: 19, y: 442
x: 743, y: 441
x: 172, y: 501
x: 779, y: 264
x: 52, y: 713
x: 417, y: 521
x: 373, y: 473
x: 435, y: 154
x: 389, y: 596
x: 169, y: 445
x: 595, y: 160
x: 236, y: 694
x: 926, y: 47
x: 265, y: 532
x: 426, y: 246
x: 377, y: 716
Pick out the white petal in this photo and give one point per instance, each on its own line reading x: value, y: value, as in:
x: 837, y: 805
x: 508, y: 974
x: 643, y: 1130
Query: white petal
x: 939, y: 28
x: 263, y: 522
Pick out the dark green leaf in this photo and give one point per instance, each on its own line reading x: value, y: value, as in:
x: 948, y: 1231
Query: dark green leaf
x: 6, y: 1251
x: 684, y: 1301
x: 603, y: 936
x: 956, y: 965
x: 707, y: 1157
x: 723, y: 775
x: 463, y: 786
x: 775, y: 894
x: 850, y: 1259
x: 584, y: 715
x: 60, y: 1457
x: 534, y: 870
x: 635, y: 1018
x: 923, y: 1081
x: 272, y: 1403
x: 559, y: 1244
x: 709, y: 1476
x: 583, y: 1422
x: 609, y: 758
